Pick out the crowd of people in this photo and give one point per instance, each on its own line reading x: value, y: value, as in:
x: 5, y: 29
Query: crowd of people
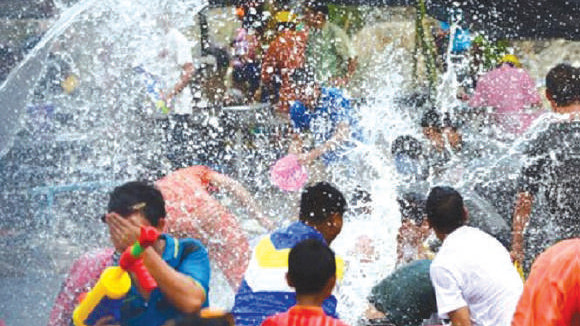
x: 448, y: 269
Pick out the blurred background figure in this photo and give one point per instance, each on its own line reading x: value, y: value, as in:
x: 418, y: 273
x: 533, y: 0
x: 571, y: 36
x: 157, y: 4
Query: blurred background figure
x: 329, y: 51
x: 547, y: 209
x: 414, y: 230
x: 246, y: 50
x: 285, y: 54
x: 510, y: 91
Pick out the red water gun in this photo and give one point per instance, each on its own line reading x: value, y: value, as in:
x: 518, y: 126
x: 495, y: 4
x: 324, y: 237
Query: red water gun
x: 106, y: 297
x: 131, y: 260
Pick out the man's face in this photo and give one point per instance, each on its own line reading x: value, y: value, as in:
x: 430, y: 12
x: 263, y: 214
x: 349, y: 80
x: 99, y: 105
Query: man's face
x: 435, y: 136
x: 315, y: 19
x: 124, y: 231
x: 335, y: 226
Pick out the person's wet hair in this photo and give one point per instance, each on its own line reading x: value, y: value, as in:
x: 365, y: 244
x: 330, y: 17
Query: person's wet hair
x: 407, y: 145
x: 319, y: 202
x: 361, y: 201
x: 431, y: 119
x: 311, y: 264
x: 445, y: 211
x: 412, y: 207
x: 361, y: 196
x: 449, y: 123
x: 415, y: 100
x: 137, y: 195
x: 563, y: 84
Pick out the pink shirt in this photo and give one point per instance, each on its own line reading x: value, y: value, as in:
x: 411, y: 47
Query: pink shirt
x: 507, y: 89
x: 83, y: 275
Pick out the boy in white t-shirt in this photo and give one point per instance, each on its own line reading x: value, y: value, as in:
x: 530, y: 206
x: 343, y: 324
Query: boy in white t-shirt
x: 474, y: 279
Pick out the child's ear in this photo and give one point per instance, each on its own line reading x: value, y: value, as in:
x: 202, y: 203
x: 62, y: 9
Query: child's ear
x: 329, y: 286
x: 289, y: 281
x: 161, y: 224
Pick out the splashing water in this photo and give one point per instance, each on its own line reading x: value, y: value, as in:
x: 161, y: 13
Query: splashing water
x: 62, y: 153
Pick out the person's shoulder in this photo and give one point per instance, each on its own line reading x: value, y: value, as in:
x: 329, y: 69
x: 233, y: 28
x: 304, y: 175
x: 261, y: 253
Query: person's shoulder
x: 285, y: 230
x: 469, y: 233
x: 297, y: 107
x: 182, y: 248
x: 456, y: 242
x: 277, y: 319
x: 438, y: 262
x: 192, y: 245
x: 480, y: 241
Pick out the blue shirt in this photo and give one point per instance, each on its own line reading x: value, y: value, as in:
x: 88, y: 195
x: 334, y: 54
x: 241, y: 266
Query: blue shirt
x: 156, y: 311
x: 332, y: 109
x: 264, y: 291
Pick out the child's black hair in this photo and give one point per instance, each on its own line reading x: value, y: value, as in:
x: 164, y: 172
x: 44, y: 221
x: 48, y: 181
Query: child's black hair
x: 311, y: 264
x: 319, y: 202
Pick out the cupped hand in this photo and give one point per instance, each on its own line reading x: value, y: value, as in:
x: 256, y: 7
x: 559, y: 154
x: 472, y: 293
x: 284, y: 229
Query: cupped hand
x: 124, y: 231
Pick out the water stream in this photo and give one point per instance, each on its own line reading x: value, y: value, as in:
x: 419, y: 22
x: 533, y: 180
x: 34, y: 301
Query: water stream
x: 61, y: 153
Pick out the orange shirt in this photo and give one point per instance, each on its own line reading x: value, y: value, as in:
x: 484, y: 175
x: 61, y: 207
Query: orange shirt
x: 552, y: 292
x: 303, y: 316
x: 285, y: 54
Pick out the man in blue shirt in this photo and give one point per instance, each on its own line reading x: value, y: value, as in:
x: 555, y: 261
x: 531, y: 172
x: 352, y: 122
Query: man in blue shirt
x: 264, y: 290
x: 325, y: 112
x: 180, y: 267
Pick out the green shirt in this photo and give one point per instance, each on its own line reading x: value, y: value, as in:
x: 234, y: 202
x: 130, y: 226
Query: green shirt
x: 328, y: 51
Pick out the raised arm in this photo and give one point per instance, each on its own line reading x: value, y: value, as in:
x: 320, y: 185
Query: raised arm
x: 521, y: 216
x: 242, y: 195
x: 337, y: 138
x: 186, y: 75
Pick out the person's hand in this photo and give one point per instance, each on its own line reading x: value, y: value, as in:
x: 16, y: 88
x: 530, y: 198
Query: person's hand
x: 105, y: 321
x: 257, y: 95
x: 124, y: 232
x: 517, y: 256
